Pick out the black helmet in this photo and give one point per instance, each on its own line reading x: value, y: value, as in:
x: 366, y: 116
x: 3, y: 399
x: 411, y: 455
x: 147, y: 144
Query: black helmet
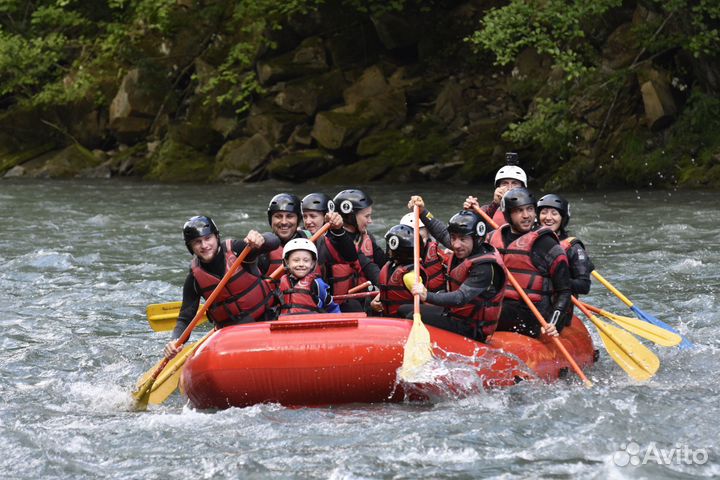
x: 349, y: 202
x: 517, y: 197
x: 467, y: 223
x: 317, y: 202
x: 400, y: 243
x: 284, y: 202
x: 198, y: 226
x: 558, y: 203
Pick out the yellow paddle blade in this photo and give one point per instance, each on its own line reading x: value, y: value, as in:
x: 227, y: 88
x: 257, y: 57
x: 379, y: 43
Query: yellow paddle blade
x: 167, y: 382
x: 409, y: 280
x: 144, y: 386
x: 163, y: 316
x: 627, y: 351
x: 645, y: 330
x: 418, y: 351
x: 142, y: 393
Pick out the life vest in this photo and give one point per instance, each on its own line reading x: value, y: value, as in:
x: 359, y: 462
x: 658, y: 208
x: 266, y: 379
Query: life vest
x: 568, y: 243
x: 275, y: 260
x: 244, y: 294
x: 393, y: 292
x: 434, y: 268
x: 517, y: 260
x: 298, y: 298
x: 499, y: 218
x: 347, y: 275
x: 480, y: 312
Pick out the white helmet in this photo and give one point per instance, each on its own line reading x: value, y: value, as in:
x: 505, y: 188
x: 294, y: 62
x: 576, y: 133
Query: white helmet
x: 409, y: 220
x: 511, y: 171
x: 299, y: 244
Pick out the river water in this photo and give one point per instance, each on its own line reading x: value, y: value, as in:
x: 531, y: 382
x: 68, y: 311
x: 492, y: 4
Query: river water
x: 81, y: 260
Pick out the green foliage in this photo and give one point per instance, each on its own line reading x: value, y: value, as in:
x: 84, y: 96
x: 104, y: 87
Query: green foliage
x: 554, y: 28
x: 548, y: 125
x: 688, y: 157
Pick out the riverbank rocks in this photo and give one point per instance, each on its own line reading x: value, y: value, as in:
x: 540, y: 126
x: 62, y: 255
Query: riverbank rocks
x: 302, y: 165
x: 177, y: 162
x: 137, y: 103
x: 660, y: 106
x: 309, y: 58
x: 350, y: 92
x: 238, y: 158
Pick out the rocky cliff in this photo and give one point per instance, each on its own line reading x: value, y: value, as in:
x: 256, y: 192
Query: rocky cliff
x: 349, y: 97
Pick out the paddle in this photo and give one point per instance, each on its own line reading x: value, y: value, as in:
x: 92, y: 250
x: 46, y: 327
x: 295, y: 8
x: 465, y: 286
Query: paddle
x: 642, y: 315
x: 627, y: 351
x: 362, y: 286
x: 640, y: 328
x: 167, y: 382
x: 142, y: 393
x: 535, y: 311
x: 417, y: 350
x: 163, y: 316
x: 346, y: 296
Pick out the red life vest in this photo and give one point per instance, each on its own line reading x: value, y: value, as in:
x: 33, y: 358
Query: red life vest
x: 275, y: 260
x: 393, y: 292
x: 348, y: 275
x: 298, y: 298
x: 244, y: 294
x: 499, y: 218
x: 483, y: 313
x: 434, y: 268
x: 517, y: 260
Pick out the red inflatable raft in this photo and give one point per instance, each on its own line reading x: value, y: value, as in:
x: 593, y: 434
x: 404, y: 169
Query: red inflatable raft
x: 309, y: 360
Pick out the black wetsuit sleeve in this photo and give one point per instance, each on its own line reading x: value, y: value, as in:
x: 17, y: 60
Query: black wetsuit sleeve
x: 436, y: 228
x: 478, y: 283
x: 379, y: 257
x: 580, y: 269
x: 343, y: 243
x: 369, y: 268
x: 260, y: 256
x: 189, y: 307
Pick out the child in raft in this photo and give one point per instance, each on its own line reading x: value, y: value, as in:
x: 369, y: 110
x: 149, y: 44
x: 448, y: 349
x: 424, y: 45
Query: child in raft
x: 302, y: 289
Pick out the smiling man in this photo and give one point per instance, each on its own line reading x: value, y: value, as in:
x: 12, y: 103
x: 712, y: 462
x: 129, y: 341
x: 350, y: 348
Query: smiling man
x: 284, y: 218
x: 537, y: 261
x: 246, y: 297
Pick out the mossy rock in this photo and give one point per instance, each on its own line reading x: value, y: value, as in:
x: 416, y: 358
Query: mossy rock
x: 397, y: 149
x: 10, y: 160
x: 478, y: 162
x: 360, y: 172
x: 68, y: 163
x: 177, y: 162
x: 377, y: 143
x: 132, y: 161
x: 303, y: 165
x: 574, y: 175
